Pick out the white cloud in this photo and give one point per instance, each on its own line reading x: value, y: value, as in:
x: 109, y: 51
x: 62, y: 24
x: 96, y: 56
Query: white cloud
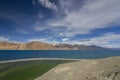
x: 65, y: 39
x: 48, y: 4
x: 109, y: 40
x: 39, y: 28
x: 38, y: 39
x: 46, y: 40
x: 4, y: 39
x: 33, y: 1
x: 93, y: 14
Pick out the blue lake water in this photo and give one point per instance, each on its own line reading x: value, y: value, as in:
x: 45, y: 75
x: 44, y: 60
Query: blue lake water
x: 76, y: 54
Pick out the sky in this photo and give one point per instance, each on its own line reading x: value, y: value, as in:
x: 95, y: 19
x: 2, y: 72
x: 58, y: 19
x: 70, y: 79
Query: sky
x: 84, y: 22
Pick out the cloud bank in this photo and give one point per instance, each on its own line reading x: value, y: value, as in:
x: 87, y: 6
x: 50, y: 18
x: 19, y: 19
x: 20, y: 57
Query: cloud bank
x: 109, y: 40
x: 93, y: 14
x: 4, y: 39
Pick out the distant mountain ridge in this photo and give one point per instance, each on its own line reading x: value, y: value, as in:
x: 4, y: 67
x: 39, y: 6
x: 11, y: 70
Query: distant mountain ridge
x: 45, y: 46
x: 78, y: 47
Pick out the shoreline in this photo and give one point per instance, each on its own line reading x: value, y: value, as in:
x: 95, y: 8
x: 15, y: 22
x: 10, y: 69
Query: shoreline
x: 51, y: 59
x: 37, y: 59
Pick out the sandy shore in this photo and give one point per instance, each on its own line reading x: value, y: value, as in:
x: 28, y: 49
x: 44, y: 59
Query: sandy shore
x: 36, y: 59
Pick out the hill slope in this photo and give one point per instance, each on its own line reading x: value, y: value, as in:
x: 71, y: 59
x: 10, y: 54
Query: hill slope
x: 103, y: 69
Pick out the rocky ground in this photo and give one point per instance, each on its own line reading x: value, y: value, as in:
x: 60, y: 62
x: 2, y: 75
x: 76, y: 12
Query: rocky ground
x: 101, y: 69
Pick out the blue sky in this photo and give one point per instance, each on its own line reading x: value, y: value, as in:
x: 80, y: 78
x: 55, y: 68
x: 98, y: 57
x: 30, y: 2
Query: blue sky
x: 88, y: 22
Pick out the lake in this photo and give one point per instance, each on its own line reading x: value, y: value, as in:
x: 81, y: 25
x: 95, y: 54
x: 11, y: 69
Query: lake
x: 76, y: 54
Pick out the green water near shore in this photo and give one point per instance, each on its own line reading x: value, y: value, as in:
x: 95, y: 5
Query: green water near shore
x: 26, y: 70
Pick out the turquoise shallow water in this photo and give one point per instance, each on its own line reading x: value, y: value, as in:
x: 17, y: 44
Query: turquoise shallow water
x: 76, y: 54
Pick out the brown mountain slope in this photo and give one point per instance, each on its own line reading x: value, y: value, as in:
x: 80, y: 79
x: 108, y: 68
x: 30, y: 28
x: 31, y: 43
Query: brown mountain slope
x: 8, y: 46
x: 39, y: 46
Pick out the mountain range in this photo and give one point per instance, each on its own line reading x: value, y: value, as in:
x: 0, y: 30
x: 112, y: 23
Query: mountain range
x: 45, y: 46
